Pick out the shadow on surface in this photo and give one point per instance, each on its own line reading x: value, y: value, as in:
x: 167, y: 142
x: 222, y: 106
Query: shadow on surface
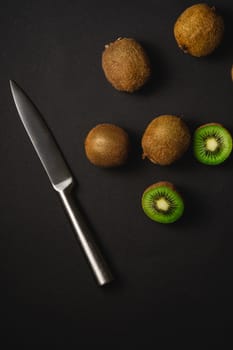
x: 195, y: 209
x: 225, y: 47
x: 135, y: 160
x: 160, y: 72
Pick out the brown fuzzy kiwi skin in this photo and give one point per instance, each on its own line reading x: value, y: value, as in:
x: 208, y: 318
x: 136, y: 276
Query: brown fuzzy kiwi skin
x: 199, y: 30
x: 107, y: 145
x: 159, y: 184
x: 165, y: 139
x: 126, y: 65
x: 208, y: 124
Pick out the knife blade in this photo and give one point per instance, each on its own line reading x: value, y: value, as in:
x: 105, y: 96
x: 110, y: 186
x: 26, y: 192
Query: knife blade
x: 60, y: 177
x: 41, y: 138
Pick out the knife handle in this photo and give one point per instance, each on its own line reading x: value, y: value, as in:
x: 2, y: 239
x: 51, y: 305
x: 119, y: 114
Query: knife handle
x: 91, y: 251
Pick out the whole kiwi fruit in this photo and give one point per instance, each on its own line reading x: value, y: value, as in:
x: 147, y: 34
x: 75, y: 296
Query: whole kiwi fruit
x: 199, y: 30
x: 107, y: 145
x: 165, y: 139
x: 126, y: 64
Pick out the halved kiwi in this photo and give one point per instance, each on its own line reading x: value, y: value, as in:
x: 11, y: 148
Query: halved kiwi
x: 212, y: 144
x: 162, y: 203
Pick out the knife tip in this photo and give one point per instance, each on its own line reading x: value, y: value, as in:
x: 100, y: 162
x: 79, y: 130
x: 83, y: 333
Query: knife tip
x: 11, y: 83
x: 13, y: 86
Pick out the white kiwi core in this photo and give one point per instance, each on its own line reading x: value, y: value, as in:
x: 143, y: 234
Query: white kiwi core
x: 162, y: 204
x: 211, y: 144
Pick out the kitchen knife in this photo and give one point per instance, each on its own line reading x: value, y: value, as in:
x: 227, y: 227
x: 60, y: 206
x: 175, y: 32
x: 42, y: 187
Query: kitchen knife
x: 60, y: 177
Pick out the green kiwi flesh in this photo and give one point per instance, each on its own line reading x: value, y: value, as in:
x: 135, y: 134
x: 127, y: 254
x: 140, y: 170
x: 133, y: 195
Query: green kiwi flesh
x: 212, y: 144
x: 162, y: 203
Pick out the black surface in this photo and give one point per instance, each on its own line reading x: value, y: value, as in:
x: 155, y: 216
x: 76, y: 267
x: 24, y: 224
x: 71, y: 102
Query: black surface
x: 173, y: 280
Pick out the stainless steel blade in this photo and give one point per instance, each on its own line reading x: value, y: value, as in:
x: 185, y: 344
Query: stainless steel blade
x: 42, y: 139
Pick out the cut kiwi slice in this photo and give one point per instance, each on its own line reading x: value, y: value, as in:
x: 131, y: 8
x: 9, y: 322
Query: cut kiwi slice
x: 162, y: 203
x: 212, y: 144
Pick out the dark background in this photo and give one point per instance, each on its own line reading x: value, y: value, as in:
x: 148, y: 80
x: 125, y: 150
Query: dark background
x: 171, y: 281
